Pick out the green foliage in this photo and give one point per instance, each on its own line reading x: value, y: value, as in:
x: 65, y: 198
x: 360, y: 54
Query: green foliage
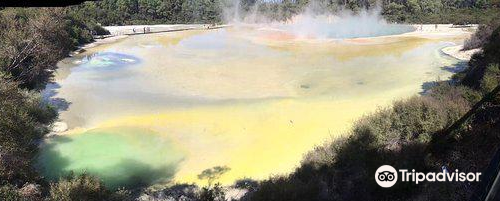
x: 415, y: 119
x: 24, y: 119
x: 84, y: 187
x: 394, y: 12
x: 10, y: 193
x: 480, y: 38
x: 444, y: 91
x: 491, y: 77
x: 246, y: 183
x: 483, y: 72
x: 215, y: 193
x: 32, y: 41
x: 126, y: 12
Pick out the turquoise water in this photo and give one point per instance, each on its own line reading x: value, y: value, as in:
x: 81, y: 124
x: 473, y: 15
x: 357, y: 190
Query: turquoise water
x: 121, y: 157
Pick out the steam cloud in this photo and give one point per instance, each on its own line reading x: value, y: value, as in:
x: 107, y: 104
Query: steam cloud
x: 315, y: 22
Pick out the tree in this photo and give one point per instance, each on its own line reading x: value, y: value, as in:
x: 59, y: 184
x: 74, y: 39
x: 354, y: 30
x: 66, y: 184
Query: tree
x: 24, y: 119
x: 31, y: 47
x: 213, y: 174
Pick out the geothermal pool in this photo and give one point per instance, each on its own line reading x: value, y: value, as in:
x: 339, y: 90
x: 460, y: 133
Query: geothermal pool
x: 163, y: 107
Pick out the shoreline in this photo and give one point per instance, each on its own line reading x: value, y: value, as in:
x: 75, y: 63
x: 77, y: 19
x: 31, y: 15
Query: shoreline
x: 432, y: 31
x: 425, y: 31
x: 122, y: 32
x: 457, y: 52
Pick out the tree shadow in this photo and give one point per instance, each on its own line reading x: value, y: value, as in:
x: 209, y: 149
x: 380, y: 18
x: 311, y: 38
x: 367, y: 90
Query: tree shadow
x: 49, y: 95
x: 128, y: 173
x: 49, y: 161
x: 457, y: 67
x: 137, y: 174
x: 427, y: 86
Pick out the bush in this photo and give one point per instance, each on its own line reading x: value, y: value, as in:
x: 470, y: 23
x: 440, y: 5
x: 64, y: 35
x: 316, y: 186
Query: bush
x: 31, y: 48
x: 84, y: 187
x: 32, y: 41
x: 24, y: 120
x: 415, y: 119
x: 444, y: 91
x: 491, y: 77
x: 215, y: 193
x: 10, y: 193
x: 479, y: 38
x: 483, y: 71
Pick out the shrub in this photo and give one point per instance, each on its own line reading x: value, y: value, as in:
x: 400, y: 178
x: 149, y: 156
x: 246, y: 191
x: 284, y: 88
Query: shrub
x: 415, y: 119
x: 479, y: 38
x: 491, y: 77
x: 10, y: 193
x: 32, y: 41
x: 444, y: 91
x: 24, y: 120
x: 483, y: 70
x: 215, y: 193
x: 84, y: 187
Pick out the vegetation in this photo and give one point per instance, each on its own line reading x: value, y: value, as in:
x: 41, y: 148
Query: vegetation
x: 484, y: 72
x: 215, y: 193
x: 125, y: 12
x: 121, y: 12
x: 24, y: 121
x: 84, y: 187
x: 32, y: 41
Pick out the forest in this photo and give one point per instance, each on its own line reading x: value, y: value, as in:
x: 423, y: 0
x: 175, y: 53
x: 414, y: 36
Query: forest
x: 121, y: 12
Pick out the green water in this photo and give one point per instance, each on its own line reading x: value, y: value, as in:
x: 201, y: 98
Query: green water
x: 121, y: 157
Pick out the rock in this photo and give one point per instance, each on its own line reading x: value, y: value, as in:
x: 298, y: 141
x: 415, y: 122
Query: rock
x: 31, y: 191
x: 59, y: 127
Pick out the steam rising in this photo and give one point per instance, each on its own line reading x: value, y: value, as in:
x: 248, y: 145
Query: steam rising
x: 315, y: 22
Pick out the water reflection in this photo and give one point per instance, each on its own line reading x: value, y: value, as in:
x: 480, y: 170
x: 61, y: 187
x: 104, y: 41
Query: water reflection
x: 107, y: 60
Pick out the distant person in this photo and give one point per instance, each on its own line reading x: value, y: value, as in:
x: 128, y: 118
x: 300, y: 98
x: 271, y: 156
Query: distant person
x: 435, y: 26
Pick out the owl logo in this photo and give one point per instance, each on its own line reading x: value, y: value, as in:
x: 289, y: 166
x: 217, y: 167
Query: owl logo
x: 386, y: 176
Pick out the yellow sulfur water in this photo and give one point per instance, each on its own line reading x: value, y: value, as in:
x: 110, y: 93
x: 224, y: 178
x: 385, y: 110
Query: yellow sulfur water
x: 253, y: 100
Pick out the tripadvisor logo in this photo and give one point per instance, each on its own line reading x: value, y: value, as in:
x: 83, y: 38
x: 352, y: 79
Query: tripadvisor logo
x: 386, y: 176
